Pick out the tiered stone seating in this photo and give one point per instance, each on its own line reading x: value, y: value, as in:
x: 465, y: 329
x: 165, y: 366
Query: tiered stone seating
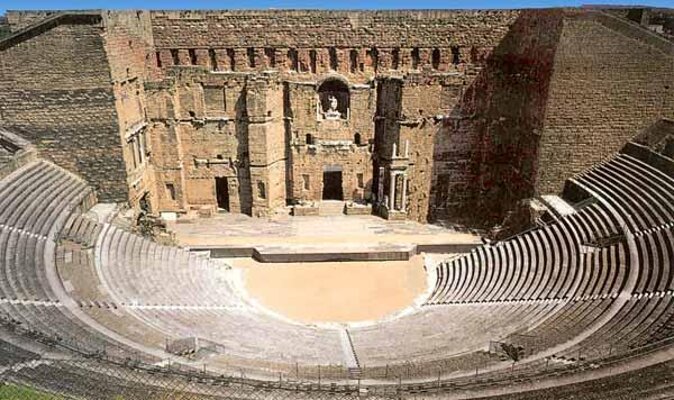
x: 83, y: 380
x: 143, y: 272
x: 36, y: 200
x: 589, y: 249
x: 643, y: 195
x: 646, y: 383
x: 545, y: 263
x: 466, y: 332
x: 82, y: 230
x: 183, y: 294
x: 11, y: 354
x: 540, y: 289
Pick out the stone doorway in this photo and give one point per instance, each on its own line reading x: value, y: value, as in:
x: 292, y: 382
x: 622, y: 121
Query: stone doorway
x: 332, y: 185
x: 222, y: 193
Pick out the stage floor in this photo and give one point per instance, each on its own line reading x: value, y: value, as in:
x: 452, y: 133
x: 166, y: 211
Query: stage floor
x: 314, y: 233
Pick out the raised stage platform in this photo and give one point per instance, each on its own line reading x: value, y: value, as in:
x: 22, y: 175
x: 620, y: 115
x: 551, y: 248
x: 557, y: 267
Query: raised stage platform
x: 317, y: 238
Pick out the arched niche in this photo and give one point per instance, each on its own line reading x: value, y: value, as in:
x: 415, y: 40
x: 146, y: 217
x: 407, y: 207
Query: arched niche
x: 333, y: 98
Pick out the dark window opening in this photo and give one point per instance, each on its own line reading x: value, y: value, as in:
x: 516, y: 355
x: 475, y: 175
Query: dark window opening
x: 395, y: 58
x: 361, y: 180
x: 373, y: 56
x: 456, y: 56
x: 193, y: 56
x: 415, y: 58
x: 157, y: 56
x: 309, y: 138
x: 214, y: 59
x: 312, y: 61
x: 356, y: 139
x: 270, y: 54
x: 333, y: 59
x: 292, y: 59
x: 174, y: 57
x: 251, y: 57
x: 171, y: 190
x: 232, y: 59
x: 435, y: 59
x: 353, y: 61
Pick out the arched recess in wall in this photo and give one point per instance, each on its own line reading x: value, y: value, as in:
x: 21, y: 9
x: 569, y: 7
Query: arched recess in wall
x: 334, y: 98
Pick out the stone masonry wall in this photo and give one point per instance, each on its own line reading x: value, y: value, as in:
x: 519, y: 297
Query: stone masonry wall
x: 356, y: 44
x: 503, y: 110
x: 55, y: 91
x: 128, y: 42
x: 606, y: 87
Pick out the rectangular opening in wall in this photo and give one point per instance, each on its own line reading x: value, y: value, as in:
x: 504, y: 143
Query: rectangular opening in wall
x: 157, y: 57
x: 435, y: 58
x: 333, y: 58
x: 232, y: 59
x: 361, y: 180
x: 293, y: 62
x: 312, y: 61
x: 456, y: 55
x: 214, y: 59
x: 171, y: 191
x: 222, y: 193
x: 373, y: 58
x: 174, y: 57
x: 353, y: 61
x: 270, y: 55
x: 395, y: 58
x: 332, y: 185
x: 193, y: 56
x: 251, y: 57
x: 261, y: 190
x: 415, y: 58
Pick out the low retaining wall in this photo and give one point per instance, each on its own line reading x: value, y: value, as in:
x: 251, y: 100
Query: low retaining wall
x: 331, y: 256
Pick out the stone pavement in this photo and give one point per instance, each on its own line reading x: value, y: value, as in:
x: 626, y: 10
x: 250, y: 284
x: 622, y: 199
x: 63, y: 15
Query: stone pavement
x: 314, y: 233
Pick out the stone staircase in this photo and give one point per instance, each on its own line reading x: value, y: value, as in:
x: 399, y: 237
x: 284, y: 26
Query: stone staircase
x: 331, y: 208
x: 352, y: 364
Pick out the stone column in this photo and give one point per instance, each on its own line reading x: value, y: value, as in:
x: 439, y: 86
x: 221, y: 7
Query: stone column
x: 403, y: 204
x: 392, y: 191
x: 380, y: 186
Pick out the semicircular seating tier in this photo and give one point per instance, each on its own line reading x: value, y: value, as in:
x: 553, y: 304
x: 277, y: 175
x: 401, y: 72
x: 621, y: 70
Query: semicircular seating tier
x: 594, y: 286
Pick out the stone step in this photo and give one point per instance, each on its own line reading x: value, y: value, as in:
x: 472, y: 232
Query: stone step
x: 331, y: 207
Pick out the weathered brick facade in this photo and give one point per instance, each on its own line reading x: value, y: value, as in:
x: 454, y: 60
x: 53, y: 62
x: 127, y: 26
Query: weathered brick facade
x: 459, y: 115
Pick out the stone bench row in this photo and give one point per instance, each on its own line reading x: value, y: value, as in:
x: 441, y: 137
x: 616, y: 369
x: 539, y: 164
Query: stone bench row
x: 543, y: 263
x: 643, y: 195
x: 38, y: 196
x: 141, y: 271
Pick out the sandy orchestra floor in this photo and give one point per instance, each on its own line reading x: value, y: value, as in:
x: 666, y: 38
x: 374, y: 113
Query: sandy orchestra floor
x: 334, y: 291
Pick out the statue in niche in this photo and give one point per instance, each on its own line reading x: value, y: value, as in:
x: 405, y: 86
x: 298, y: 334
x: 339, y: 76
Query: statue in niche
x: 332, y: 112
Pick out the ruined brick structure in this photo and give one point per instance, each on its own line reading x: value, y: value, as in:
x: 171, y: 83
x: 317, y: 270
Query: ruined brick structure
x: 457, y: 115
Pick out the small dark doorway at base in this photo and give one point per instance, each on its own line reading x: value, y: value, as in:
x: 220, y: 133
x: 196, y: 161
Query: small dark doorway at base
x: 222, y: 193
x: 332, y: 185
